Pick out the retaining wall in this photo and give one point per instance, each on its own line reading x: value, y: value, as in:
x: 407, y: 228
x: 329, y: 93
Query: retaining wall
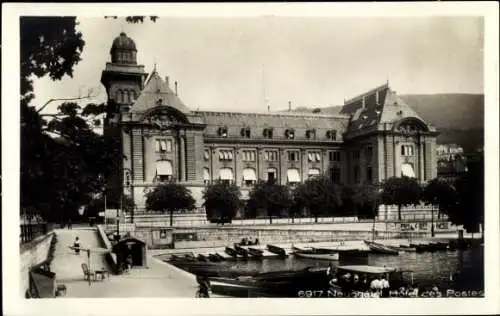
x: 32, y: 254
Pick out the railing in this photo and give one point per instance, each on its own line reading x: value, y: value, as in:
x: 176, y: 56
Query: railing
x: 32, y: 231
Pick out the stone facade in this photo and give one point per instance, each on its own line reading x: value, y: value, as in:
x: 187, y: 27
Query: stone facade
x: 376, y: 136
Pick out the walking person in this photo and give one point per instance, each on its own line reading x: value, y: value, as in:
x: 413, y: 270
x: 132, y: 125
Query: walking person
x: 70, y: 226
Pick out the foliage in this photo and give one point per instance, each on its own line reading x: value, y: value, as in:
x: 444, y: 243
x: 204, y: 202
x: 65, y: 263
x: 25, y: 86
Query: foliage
x: 470, y: 190
x: 169, y: 197
x: 365, y: 199
x: 272, y: 198
x: 49, y: 46
x: 63, y: 162
x: 401, y: 192
x: 319, y: 196
x: 222, y: 201
x: 439, y: 193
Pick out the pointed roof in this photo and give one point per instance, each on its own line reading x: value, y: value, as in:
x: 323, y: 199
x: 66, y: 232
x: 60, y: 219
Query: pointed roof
x: 156, y: 89
x: 377, y: 106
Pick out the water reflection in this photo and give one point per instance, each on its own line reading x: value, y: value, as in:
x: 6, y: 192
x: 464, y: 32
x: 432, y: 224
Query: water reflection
x: 445, y: 269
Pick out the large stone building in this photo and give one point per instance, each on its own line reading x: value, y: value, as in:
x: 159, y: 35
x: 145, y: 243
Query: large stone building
x: 376, y: 136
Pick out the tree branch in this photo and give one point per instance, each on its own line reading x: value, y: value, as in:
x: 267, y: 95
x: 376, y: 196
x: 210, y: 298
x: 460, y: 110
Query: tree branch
x: 88, y: 96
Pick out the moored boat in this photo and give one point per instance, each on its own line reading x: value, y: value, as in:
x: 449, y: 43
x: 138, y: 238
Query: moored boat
x: 277, y: 250
x: 241, y: 251
x: 380, y: 248
x: 256, y: 253
x: 213, y: 257
x: 202, y: 258
x: 317, y: 256
x: 230, y: 251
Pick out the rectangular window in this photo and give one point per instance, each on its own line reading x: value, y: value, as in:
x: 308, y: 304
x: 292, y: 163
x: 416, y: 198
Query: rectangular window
x: 206, y: 154
x: 293, y: 156
x: 356, y: 174
x: 225, y: 155
x: 407, y: 150
x: 355, y: 155
x: 335, y: 175
x: 369, y: 153
x: 248, y: 155
x: 271, y: 156
x: 334, y: 156
x: 369, y: 174
x: 163, y: 146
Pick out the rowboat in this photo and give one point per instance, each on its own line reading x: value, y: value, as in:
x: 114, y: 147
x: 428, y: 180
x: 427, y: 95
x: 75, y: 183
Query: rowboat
x: 202, y: 258
x: 214, y: 258
x: 317, y: 256
x: 381, y: 249
x: 256, y: 253
x: 230, y: 251
x: 241, y: 251
x: 277, y: 250
x: 406, y: 248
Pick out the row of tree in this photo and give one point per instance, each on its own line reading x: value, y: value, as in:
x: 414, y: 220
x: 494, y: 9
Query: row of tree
x: 461, y: 200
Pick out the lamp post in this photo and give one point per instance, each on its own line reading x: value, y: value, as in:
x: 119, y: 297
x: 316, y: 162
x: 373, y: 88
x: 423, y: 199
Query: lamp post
x: 128, y: 183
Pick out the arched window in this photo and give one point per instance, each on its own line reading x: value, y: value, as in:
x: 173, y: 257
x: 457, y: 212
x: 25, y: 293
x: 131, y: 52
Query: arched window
x: 222, y: 131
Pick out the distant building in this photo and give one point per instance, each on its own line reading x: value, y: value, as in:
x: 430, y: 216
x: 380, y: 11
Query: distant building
x: 451, y: 161
x: 376, y: 136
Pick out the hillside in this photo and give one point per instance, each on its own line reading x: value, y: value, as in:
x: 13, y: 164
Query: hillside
x: 458, y: 117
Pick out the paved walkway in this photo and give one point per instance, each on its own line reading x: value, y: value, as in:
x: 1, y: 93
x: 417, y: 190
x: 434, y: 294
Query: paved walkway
x: 159, y: 279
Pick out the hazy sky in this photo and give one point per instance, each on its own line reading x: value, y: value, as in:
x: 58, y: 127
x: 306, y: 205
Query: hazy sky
x: 234, y: 64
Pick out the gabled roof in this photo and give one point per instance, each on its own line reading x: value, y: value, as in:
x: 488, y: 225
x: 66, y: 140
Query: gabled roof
x: 377, y: 106
x: 156, y: 89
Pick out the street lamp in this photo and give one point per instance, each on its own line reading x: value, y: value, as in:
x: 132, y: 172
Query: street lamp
x: 129, y: 175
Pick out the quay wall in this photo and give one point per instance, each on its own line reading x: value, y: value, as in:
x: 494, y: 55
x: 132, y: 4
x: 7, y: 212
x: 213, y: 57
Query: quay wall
x: 33, y: 253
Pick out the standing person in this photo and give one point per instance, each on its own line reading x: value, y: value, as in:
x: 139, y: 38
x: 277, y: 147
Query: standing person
x: 76, y: 245
x: 129, y: 262
x: 376, y: 285
x: 384, y: 284
x: 69, y: 224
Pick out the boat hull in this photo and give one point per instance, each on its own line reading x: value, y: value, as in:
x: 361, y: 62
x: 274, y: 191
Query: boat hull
x: 317, y: 256
x: 277, y: 250
x: 381, y: 249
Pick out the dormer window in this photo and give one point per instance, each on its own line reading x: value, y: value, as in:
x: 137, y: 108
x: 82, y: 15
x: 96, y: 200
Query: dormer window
x: 332, y: 134
x: 268, y: 133
x: 222, y: 131
x: 290, y: 133
x: 245, y: 132
x: 311, y: 134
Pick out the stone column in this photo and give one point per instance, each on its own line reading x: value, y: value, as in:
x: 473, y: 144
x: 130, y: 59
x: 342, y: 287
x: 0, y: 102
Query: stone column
x: 182, y: 166
x: 421, y: 141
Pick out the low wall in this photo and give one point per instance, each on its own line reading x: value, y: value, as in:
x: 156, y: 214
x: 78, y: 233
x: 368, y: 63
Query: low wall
x: 106, y: 243
x: 220, y: 237
x: 32, y: 254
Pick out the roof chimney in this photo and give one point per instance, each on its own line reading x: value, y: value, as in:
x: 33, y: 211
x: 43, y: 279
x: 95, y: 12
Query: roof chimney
x: 175, y: 88
x: 289, y: 106
x: 167, y: 80
x: 364, y: 102
x: 268, y: 108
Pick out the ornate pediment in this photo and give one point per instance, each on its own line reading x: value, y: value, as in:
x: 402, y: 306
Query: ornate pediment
x: 410, y: 126
x: 164, y: 117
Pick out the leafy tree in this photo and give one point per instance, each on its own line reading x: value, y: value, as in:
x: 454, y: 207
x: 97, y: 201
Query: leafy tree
x: 319, y: 195
x: 470, y: 190
x: 270, y: 197
x: 366, y: 197
x: 222, y: 201
x: 63, y: 162
x: 441, y: 194
x: 169, y: 197
x: 401, y: 192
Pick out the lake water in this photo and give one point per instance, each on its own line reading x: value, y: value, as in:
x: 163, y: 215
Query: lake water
x: 463, y: 270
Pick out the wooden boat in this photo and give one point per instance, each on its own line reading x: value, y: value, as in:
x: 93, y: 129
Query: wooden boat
x: 317, y: 256
x: 381, y: 249
x: 202, y: 258
x: 241, y: 251
x: 213, y: 257
x: 256, y: 253
x: 405, y: 248
x: 230, y: 251
x: 277, y: 250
